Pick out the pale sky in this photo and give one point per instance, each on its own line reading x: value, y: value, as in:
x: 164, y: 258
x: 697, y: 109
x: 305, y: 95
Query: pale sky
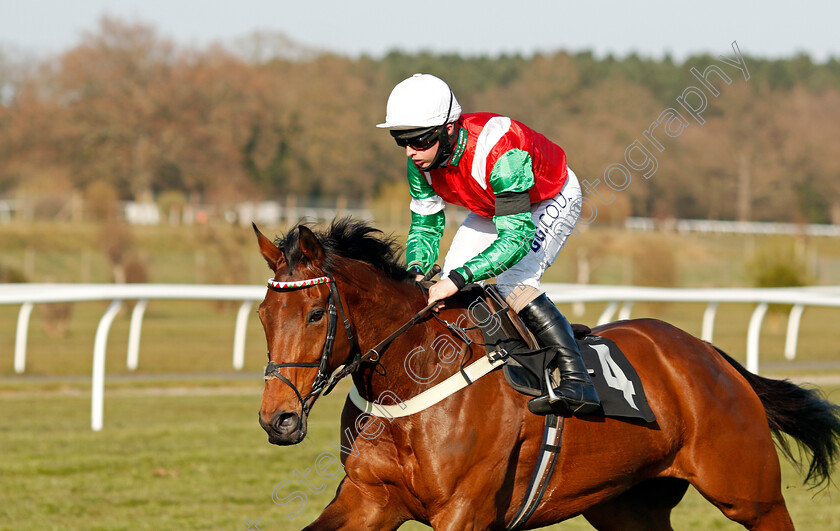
x: 770, y: 28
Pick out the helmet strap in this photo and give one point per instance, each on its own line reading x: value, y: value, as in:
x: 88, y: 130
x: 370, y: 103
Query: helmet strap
x: 445, y: 148
x: 444, y: 151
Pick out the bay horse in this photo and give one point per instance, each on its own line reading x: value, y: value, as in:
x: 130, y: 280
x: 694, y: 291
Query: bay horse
x: 464, y: 463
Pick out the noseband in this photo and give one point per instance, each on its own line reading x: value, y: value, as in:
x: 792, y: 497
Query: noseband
x: 322, y: 379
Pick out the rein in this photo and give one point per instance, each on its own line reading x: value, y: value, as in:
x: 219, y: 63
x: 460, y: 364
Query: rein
x: 373, y: 354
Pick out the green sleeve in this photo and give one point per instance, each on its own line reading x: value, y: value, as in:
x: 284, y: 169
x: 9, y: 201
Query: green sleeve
x: 418, y: 187
x: 512, y: 174
x: 423, y: 242
x: 427, y: 221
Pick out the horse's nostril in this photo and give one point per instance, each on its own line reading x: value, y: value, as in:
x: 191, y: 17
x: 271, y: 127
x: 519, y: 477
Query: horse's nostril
x: 285, y: 422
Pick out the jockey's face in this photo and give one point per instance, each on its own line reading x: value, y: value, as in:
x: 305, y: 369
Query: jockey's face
x: 424, y: 158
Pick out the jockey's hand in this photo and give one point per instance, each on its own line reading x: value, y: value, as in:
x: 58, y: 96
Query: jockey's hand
x: 441, y: 290
x: 418, y: 278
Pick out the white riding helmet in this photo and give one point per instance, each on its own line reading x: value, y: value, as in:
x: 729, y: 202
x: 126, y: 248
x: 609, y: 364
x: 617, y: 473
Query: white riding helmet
x: 422, y: 100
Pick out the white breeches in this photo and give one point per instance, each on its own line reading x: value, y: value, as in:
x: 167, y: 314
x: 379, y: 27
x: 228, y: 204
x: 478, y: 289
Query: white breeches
x: 555, y: 219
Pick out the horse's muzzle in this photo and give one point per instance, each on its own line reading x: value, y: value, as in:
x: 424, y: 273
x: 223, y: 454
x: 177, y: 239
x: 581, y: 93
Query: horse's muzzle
x: 284, y: 428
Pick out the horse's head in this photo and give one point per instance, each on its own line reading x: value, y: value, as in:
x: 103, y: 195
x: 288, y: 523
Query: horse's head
x: 304, y: 324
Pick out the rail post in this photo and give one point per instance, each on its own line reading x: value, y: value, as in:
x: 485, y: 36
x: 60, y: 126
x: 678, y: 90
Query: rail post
x: 239, y: 335
x: 97, y: 391
x: 133, y: 355
x: 709, y: 322
x: 792, y: 337
x: 753, y: 335
x: 20, y: 336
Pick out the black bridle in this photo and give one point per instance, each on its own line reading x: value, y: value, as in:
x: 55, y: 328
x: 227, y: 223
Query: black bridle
x: 322, y: 379
x: 324, y: 383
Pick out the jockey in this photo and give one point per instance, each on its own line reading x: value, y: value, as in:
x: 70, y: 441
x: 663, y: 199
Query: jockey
x: 524, y: 202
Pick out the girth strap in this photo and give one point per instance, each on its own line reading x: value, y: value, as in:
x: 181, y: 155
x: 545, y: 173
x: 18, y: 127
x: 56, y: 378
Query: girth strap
x: 543, y: 470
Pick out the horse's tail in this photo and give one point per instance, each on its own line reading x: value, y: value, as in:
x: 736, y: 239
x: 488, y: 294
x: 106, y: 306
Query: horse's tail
x: 804, y: 414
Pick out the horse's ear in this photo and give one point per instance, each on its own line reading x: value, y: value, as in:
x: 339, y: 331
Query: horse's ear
x: 310, y: 246
x: 270, y: 252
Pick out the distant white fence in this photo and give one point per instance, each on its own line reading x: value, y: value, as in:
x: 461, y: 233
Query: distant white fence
x: 730, y: 227
x: 618, y: 298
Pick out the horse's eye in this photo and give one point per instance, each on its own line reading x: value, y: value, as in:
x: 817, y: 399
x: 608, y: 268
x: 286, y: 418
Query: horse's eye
x: 316, y: 315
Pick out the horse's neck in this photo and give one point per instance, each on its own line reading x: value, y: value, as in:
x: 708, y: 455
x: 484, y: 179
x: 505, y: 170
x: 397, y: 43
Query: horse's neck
x: 379, y: 307
x: 421, y: 357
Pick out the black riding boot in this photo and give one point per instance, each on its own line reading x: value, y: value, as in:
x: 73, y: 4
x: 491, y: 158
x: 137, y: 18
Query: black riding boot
x: 575, y: 391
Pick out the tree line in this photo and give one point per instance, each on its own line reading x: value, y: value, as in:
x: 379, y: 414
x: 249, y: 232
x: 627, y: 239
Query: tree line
x: 128, y: 109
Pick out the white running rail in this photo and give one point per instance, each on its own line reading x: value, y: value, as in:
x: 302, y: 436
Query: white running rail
x: 618, y: 298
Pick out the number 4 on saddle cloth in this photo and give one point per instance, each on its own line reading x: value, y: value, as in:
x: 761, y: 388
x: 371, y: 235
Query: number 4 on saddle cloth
x: 615, y: 379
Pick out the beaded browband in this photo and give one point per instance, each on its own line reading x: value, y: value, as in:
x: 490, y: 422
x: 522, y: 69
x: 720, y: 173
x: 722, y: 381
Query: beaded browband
x: 276, y: 284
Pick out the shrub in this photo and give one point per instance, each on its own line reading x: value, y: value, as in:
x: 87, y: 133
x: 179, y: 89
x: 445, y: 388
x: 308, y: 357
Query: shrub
x: 116, y: 240
x: 102, y: 201
x: 775, y: 265
x: 10, y: 275
x: 136, y: 270
x: 57, y: 317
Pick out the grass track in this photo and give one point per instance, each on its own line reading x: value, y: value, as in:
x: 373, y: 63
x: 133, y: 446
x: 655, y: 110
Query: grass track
x: 194, y: 457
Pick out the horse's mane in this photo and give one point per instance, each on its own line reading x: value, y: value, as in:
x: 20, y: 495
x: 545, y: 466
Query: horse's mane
x: 349, y: 238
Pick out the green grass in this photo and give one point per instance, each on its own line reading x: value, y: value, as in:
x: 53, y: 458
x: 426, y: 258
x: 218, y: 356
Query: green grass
x: 199, y: 460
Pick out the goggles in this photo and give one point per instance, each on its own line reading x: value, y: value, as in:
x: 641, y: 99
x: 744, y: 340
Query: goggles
x: 421, y: 141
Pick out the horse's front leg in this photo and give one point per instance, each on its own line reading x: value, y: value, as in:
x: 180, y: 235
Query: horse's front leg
x: 354, y: 509
x: 466, y: 517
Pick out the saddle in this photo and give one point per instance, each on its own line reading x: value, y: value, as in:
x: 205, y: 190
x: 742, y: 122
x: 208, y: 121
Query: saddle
x: 617, y: 382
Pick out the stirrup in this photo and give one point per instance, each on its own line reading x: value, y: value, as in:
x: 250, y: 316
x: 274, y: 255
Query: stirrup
x: 552, y: 403
x: 546, y: 405
x: 552, y: 396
